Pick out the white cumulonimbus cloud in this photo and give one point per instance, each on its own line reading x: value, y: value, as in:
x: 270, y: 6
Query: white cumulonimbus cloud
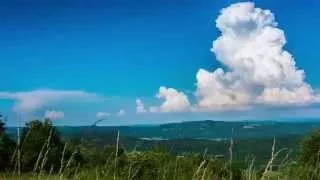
x: 53, y: 115
x: 257, y: 68
x: 102, y: 115
x: 28, y: 101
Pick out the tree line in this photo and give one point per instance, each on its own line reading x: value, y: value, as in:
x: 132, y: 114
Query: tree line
x: 43, y: 151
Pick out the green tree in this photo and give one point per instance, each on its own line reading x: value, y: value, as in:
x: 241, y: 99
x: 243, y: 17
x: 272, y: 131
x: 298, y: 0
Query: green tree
x: 42, y: 147
x: 310, y: 148
x: 7, y: 146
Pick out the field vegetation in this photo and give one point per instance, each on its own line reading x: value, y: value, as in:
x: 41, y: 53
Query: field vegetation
x: 40, y: 152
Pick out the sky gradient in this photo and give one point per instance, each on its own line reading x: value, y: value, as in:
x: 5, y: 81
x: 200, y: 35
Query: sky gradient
x: 94, y: 59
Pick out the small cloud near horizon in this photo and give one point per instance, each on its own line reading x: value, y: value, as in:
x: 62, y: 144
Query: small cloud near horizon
x: 53, y: 114
x: 121, y: 112
x: 102, y: 115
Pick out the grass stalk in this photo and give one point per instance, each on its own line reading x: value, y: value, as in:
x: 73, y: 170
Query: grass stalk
x: 116, y: 157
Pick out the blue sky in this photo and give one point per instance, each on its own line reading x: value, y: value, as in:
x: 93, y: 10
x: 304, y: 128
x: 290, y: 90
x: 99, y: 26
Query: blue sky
x: 121, y: 50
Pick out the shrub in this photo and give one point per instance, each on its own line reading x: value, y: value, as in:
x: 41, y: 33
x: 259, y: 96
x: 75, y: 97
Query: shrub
x: 310, y: 148
x: 7, y: 146
x: 42, y: 147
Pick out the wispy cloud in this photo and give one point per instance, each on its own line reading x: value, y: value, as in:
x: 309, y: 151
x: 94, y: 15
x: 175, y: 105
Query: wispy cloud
x: 102, y: 115
x: 28, y: 101
x: 53, y: 114
x: 121, y: 112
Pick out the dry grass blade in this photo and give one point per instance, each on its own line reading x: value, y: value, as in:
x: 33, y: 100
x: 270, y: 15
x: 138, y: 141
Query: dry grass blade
x: 204, y: 173
x: 195, y: 175
x: 273, y: 157
x: 231, y: 155
x: 116, y: 156
x: 249, y: 173
x: 62, y: 160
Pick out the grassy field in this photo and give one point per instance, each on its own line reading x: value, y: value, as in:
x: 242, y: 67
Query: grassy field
x: 160, y: 165
x: 42, y: 154
x: 149, y: 165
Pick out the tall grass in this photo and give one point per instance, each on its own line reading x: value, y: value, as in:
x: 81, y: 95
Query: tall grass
x: 151, y: 165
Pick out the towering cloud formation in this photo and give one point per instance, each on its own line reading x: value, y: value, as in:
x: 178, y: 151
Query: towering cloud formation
x: 257, y: 68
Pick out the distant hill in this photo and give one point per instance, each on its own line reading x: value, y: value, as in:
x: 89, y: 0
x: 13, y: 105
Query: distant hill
x: 199, y: 136
x: 208, y: 129
x: 203, y: 130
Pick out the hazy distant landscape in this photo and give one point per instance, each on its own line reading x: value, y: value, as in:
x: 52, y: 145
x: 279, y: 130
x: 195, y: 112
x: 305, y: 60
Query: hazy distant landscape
x: 208, y: 141
x: 251, y: 137
x: 209, y: 130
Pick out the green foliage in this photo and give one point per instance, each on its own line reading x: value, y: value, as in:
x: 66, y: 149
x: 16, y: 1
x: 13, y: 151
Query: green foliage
x: 310, y: 149
x: 147, y: 165
x: 7, y: 146
x: 45, y: 155
x: 96, y: 156
x: 42, y: 147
